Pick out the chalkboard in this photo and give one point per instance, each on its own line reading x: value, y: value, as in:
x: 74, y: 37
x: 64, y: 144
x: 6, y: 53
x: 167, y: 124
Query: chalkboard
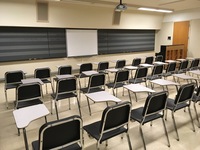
x: 24, y: 43
x: 81, y: 42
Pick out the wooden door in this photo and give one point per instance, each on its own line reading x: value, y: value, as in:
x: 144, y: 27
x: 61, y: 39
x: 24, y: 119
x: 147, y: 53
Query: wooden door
x: 181, y: 35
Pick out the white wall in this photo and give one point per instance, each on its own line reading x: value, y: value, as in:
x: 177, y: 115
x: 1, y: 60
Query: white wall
x: 64, y: 15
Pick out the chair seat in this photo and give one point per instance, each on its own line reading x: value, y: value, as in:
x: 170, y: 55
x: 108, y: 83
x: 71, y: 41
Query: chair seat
x: 45, y: 81
x: 12, y: 86
x: 171, y: 105
x: 75, y: 146
x: 153, y: 77
x: 136, y: 114
x: 28, y: 103
x: 85, y: 90
x: 93, y: 130
x: 136, y: 81
x: 117, y: 85
x: 63, y: 96
x: 195, y: 98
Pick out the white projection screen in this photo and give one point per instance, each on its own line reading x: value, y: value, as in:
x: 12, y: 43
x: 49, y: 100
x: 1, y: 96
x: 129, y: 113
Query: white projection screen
x: 81, y: 42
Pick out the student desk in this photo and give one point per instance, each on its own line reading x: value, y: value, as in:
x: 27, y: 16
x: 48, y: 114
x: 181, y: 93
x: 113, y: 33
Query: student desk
x: 101, y: 96
x: 24, y: 116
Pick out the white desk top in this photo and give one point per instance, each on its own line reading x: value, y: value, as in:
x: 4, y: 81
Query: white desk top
x: 131, y: 67
x: 163, y: 82
x: 89, y: 73
x: 26, y: 115
x: 102, y: 96
x: 32, y: 80
x: 169, y: 61
x: 64, y: 76
x: 183, y: 76
x: 160, y: 63
x: 181, y: 59
x: 138, y: 88
x: 197, y: 72
x: 112, y: 70
x: 146, y: 65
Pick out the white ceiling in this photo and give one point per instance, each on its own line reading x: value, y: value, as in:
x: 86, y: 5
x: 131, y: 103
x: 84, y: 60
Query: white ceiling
x: 175, y: 5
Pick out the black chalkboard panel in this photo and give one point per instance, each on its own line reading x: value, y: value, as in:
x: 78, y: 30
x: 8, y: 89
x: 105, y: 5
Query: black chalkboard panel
x: 23, y: 43
x: 119, y: 41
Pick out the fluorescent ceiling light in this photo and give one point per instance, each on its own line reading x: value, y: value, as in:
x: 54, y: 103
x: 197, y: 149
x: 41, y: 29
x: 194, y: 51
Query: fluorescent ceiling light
x: 156, y: 10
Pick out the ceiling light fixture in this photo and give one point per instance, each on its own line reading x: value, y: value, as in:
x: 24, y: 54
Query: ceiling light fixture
x: 155, y: 10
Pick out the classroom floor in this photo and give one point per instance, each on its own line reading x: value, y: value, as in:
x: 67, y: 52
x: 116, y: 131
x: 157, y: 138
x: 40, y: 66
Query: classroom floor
x: 154, y: 135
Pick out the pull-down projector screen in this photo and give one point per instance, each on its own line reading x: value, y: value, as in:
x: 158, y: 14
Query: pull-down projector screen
x: 81, y: 42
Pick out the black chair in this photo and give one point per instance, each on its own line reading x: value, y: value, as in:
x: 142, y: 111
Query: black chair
x: 12, y: 81
x: 64, y: 70
x: 157, y: 73
x: 120, y: 64
x: 153, y: 109
x: 195, y: 100
x: 140, y: 76
x: 182, y: 100
x: 102, y: 66
x: 171, y: 69
x: 183, y: 66
x: 65, y: 134
x: 159, y: 58
x: 83, y: 67
x: 28, y: 95
x: 65, y: 88
x: 44, y: 74
x: 114, y: 121
x: 136, y: 62
x: 96, y: 83
x: 121, y: 78
x: 194, y: 64
x: 149, y: 60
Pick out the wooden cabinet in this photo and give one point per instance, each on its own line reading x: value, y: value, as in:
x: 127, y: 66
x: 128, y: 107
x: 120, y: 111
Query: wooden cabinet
x: 172, y: 52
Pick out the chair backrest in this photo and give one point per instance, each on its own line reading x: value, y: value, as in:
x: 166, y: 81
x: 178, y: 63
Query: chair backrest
x: 157, y: 70
x: 43, y: 73
x: 85, y: 67
x: 60, y: 133
x: 28, y: 92
x: 171, y: 67
x: 66, y: 85
x: 183, y: 65
x: 115, y: 116
x: 96, y: 80
x: 136, y: 61
x: 149, y: 60
x: 141, y: 72
x: 159, y: 58
x: 121, y: 76
x: 185, y: 93
x: 194, y: 63
x: 14, y: 76
x: 155, y: 103
x: 64, y: 70
x: 102, y: 66
x: 120, y: 64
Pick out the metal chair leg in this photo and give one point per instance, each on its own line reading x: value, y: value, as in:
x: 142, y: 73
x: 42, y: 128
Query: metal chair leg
x: 141, y: 133
x: 89, y: 106
x: 196, y: 114
x: 6, y: 96
x: 166, y: 132
x: 56, y: 110
x: 129, y: 141
x: 191, y: 119
x: 79, y: 107
x: 175, y: 126
x: 69, y: 104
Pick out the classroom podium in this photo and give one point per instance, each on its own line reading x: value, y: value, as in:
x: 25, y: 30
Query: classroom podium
x: 172, y: 52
